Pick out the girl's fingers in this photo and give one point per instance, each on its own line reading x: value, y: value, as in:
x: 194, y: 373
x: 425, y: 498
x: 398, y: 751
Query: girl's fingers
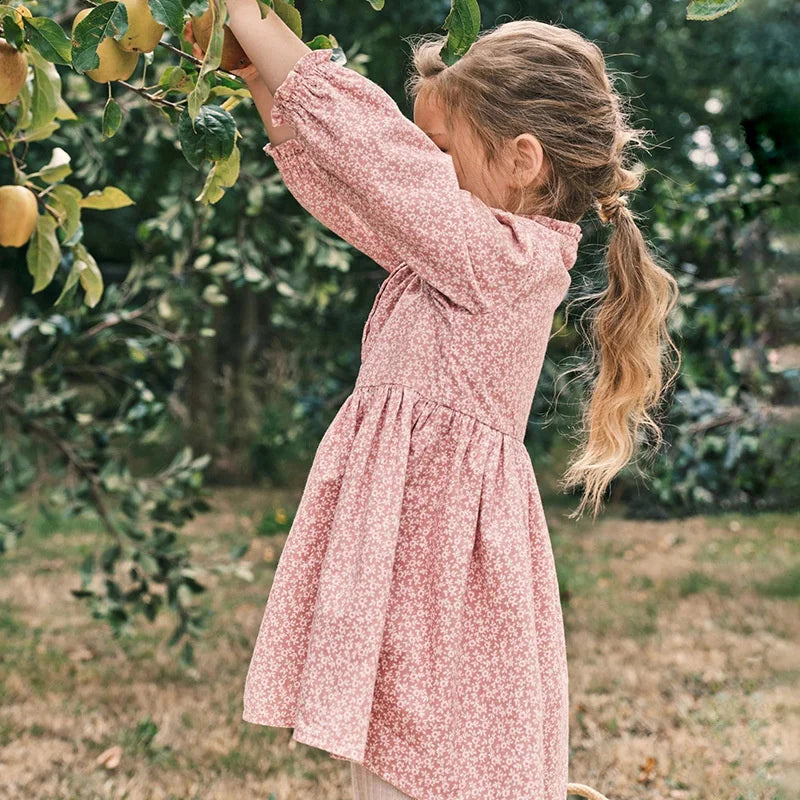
x: 246, y: 73
x: 198, y: 52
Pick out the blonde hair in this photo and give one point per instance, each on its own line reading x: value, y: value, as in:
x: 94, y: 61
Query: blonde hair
x: 526, y: 76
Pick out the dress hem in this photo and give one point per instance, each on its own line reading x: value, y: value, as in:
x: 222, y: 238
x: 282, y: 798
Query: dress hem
x: 305, y: 734
x: 314, y: 737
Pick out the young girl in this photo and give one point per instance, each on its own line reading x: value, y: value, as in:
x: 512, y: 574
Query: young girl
x: 414, y: 624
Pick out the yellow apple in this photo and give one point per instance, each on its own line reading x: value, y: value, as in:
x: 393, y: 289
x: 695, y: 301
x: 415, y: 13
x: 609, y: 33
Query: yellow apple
x: 18, y: 214
x: 143, y: 33
x: 116, y: 64
x: 20, y: 12
x: 13, y: 71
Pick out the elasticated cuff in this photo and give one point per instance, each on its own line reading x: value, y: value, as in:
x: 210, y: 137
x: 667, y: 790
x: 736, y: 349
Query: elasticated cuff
x: 300, y: 79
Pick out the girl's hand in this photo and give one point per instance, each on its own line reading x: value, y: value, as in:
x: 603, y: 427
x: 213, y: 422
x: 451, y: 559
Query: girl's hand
x: 247, y: 74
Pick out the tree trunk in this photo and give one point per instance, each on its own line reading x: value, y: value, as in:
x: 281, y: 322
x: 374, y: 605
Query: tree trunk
x: 201, y: 379
x: 243, y: 407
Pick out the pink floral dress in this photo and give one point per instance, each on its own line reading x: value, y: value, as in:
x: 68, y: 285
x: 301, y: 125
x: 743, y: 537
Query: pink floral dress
x: 414, y: 623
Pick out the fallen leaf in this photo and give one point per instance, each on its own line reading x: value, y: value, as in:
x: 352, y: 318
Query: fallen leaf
x: 110, y: 758
x: 646, y: 770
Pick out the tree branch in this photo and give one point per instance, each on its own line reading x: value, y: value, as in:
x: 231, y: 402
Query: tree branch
x: 151, y: 97
x: 85, y: 468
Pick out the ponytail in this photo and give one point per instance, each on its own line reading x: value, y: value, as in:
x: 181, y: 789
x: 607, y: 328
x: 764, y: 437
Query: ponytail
x: 629, y: 339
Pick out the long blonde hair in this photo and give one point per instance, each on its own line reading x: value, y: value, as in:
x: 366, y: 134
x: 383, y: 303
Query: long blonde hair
x: 526, y: 76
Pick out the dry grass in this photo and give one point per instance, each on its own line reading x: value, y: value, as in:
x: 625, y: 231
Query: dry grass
x: 683, y: 645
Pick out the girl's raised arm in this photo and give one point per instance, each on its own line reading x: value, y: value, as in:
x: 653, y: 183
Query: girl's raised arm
x: 355, y: 150
x: 316, y: 190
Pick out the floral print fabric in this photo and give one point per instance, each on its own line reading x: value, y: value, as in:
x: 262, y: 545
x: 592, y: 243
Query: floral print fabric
x: 414, y: 623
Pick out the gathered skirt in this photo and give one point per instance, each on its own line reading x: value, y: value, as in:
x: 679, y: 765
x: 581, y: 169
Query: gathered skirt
x: 414, y: 622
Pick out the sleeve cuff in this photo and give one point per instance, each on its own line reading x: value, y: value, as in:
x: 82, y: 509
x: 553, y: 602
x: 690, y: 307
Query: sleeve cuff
x: 285, y: 149
x: 293, y: 82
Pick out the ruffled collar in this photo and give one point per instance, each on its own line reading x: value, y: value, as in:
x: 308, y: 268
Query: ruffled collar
x: 571, y: 229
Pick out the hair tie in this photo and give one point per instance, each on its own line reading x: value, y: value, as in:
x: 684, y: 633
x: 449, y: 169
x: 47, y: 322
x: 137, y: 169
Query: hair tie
x: 608, y: 207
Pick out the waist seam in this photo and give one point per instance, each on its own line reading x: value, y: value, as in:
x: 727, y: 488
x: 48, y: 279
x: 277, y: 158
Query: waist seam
x: 363, y: 386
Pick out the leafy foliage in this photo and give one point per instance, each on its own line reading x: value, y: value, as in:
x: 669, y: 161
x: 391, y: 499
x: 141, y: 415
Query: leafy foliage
x: 725, y: 453
x: 193, y: 324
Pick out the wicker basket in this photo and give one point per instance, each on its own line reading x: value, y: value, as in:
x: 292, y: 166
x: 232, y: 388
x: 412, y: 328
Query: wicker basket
x: 585, y: 791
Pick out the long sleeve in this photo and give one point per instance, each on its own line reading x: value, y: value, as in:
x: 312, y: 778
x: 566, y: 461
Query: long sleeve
x: 320, y: 193
x: 371, y: 175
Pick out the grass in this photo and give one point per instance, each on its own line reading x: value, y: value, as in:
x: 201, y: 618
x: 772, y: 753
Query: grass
x: 697, y: 581
x: 682, y: 643
x: 784, y: 584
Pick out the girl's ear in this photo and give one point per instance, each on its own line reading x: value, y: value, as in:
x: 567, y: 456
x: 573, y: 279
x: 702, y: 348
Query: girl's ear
x: 528, y: 158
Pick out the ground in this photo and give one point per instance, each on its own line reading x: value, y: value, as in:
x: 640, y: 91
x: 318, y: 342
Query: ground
x: 683, y: 643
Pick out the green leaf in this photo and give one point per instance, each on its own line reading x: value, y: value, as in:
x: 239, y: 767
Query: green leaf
x: 187, y: 654
x: 194, y: 586
x: 175, y: 77
x: 90, y: 276
x: 169, y: 13
x: 43, y: 253
x: 87, y: 570
x: 198, y: 95
x: 176, y: 356
x: 13, y: 31
x: 106, y: 19
x: 110, y: 557
x: 58, y: 167
x: 213, y: 296
x: 49, y: 38
x: 63, y: 111
x: 113, y: 590
x: 222, y: 175
x: 710, y: 9
x: 135, y: 351
x: 24, y: 116
x: 321, y: 42
x: 291, y: 16
x: 150, y: 609
x: 85, y: 270
x: 43, y: 101
x: 211, y: 135
x: 462, y: 24
x: 239, y: 550
x: 72, y: 280
x: 109, y: 197
x: 180, y: 628
x: 43, y: 132
x: 149, y: 564
x: 211, y: 58
x: 112, y: 117
x: 67, y: 199
x: 228, y: 91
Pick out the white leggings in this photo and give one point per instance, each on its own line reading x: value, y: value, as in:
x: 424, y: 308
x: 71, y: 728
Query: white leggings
x: 368, y: 786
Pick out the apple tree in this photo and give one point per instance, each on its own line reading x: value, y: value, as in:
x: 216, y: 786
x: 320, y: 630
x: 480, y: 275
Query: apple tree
x: 144, y: 568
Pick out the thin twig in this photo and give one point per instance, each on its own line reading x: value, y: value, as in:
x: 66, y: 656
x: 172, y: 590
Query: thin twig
x: 179, y: 52
x: 114, y: 320
x: 86, y: 468
x: 734, y: 415
x: 151, y: 97
x: 9, y: 147
x: 173, y: 337
x: 53, y: 213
